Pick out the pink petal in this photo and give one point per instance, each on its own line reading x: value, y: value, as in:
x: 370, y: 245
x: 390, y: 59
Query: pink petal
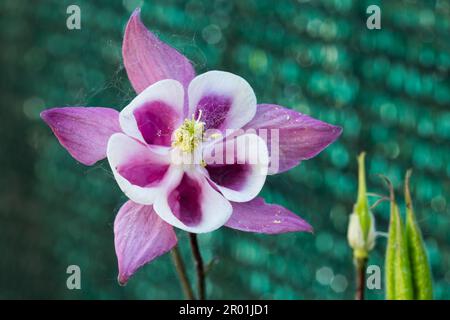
x: 191, y: 204
x: 261, y: 217
x: 138, y: 169
x: 139, y: 237
x: 148, y: 60
x: 300, y: 136
x: 83, y: 131
x: 155, y: 113
x: 225, y: 100
x: 237, y: 166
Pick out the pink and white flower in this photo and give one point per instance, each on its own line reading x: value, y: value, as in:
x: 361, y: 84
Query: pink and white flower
x: 169, y: 119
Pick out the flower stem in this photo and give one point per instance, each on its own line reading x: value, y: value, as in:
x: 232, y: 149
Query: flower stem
x: 198, y: 265
x: 360, y: 264
x: 179, y: 266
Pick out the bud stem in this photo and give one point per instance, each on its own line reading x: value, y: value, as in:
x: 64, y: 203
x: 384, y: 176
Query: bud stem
x: 360, y: 264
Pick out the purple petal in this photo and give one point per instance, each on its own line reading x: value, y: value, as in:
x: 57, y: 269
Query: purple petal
x: 185, y: 201
x: 300, y: 136
x: 83, y: 131
x: 142, y: 172
x: 222, y: 99
x: 215, y: 109
x: 148, y: 60
x: 237, y: 166
x: 192, y: 204
x: 261, y: 217
x: 155, y: 113
x: 138, y: 169
x: 156, y: 122
x: 231, y: 176
x: 140, y: 236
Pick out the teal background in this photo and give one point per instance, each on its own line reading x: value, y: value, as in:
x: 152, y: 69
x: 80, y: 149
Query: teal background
x: 388, y: 89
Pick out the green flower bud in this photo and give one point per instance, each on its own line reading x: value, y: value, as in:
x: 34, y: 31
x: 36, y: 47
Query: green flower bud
x: 355, y: 236
x: 421, y: 273
x: 398, y: 270
x: 391, y: 252
x: 361, y: 227
x: 403, y: 277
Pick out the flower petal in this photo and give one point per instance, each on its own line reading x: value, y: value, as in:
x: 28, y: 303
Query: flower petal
x: 140, y: 236
x: 226, y: 101
x: 155, y: 113
x: 139, y: 170
x: 193, y: 205
x: 238, y: 166
x: 300, y: 136
x: 83, y: 131
x: 148, y: 60
x: 261, y: 217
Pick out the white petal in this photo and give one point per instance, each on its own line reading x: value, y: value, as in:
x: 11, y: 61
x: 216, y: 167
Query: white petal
x: 226, y: 100
x: 139, y: 170
x: 155, y: 113
x: 242, y: 171
x: 191, y: 204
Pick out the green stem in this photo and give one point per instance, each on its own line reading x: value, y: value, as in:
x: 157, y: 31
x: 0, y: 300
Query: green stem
x: 179, y: 266
x: 198, y: 265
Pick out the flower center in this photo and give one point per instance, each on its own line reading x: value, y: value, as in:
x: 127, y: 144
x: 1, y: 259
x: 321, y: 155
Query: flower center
x: 189, y: 135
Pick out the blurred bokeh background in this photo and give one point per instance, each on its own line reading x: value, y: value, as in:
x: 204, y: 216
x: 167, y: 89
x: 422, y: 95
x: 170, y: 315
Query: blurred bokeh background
x: 389, y: 89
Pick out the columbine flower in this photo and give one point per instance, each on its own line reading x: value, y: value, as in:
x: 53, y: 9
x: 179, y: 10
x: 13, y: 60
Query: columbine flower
x: 168, y: 119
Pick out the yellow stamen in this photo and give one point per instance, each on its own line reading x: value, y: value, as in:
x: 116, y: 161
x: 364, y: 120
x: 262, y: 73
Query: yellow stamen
x: 189, y: 135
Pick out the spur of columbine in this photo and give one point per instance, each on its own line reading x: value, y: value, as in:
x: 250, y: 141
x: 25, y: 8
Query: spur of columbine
x: 177, y: 114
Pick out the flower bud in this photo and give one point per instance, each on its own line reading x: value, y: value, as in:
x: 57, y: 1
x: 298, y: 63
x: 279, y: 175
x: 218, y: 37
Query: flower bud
x: 420, y: 266
x: 361, y: 227
x: 360, y: 245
